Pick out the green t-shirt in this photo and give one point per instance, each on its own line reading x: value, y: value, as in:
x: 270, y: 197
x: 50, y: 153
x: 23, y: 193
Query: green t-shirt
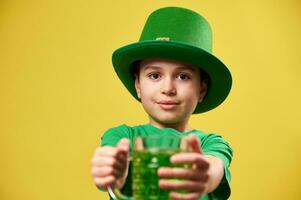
x: 211, y: 144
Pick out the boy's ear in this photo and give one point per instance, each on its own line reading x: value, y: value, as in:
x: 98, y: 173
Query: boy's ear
x: 137, y: 86
x: 203, y: 90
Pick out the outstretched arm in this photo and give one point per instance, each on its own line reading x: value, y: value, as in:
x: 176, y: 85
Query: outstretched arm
x: 109, y: 165
x: 202, y: 178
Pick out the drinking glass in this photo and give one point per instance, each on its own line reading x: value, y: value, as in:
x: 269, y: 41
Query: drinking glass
x: 149, y: 154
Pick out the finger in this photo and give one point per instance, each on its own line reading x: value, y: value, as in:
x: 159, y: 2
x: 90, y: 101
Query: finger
x: 104, y: 182
x: 105, y: 171
x: 191, y: 158
x: 98, y: 159
x: 111, y: 151
x: 102, y: 171
x: 180, y: 184
x: 124, y: 145
x: 106, y: 151
x: 116, y: 163
x: 194, y: 144
x: 192, y: 174
x: 189, y: 196
x: 109, y: 161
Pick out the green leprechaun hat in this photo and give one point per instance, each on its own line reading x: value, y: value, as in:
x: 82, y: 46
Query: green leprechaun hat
x: 177, y: 34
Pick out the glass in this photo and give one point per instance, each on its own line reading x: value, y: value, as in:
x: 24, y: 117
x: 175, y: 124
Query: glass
x: 150, y: 153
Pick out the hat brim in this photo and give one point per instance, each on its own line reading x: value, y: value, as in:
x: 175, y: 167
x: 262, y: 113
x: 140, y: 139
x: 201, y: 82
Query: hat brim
x: 220, y: 77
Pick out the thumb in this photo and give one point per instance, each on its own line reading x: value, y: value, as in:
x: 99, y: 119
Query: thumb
x: 124, y: 145
x: 194, y: 144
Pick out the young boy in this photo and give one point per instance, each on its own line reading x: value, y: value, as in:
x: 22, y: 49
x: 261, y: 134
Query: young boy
x: 172, y: 72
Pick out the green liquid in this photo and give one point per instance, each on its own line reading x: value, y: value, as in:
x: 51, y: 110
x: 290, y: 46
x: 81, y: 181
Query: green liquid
x: 145, y: 178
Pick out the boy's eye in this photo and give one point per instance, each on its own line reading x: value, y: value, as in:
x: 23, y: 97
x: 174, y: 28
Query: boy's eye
x: 183, y: 77
x: 154, y: 76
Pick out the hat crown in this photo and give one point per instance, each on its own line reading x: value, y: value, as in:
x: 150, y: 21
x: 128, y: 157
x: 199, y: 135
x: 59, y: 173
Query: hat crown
x: 178, y: 25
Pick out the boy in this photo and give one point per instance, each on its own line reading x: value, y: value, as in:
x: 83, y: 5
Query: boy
x: 172, y: 72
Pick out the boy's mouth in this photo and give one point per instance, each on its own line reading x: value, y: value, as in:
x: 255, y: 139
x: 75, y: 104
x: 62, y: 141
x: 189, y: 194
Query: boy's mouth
x: 168, y: 104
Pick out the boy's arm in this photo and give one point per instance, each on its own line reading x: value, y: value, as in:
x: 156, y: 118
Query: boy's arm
x: 215, y: 172
x: 204, y: 177
x: 214, y: 165
x: 109, y: 165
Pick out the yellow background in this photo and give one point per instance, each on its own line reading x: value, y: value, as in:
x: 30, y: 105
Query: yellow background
x: 59, y: 92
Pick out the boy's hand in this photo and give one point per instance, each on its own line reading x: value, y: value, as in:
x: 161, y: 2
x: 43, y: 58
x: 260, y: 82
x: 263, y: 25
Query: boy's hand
x: 198, y: 180
x: 110, y: 165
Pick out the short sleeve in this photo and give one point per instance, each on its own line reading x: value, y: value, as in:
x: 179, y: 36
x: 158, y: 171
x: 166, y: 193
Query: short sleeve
x: 112, y: 136
x: 215, y: 145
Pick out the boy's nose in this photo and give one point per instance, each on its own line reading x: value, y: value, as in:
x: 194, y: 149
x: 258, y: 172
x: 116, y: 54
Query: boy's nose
x: 168, y: 87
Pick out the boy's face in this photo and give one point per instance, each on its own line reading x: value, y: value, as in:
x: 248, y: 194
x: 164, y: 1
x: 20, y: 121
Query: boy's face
x: 169, y: 91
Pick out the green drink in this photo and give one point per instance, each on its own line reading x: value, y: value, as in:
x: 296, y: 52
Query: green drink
x: 150, y: 153
x: 145, y: 179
